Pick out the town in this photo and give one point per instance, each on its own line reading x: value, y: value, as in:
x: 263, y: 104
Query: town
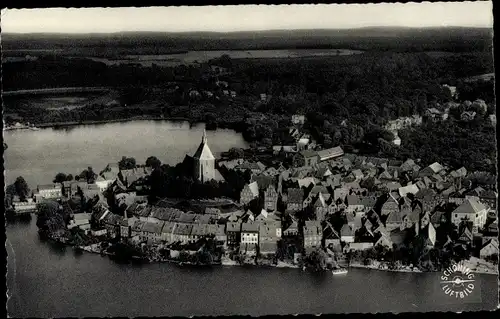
x: 289, y: 206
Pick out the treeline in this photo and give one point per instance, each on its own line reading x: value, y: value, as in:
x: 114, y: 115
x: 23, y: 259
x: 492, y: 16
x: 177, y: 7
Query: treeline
x: 379, y: 39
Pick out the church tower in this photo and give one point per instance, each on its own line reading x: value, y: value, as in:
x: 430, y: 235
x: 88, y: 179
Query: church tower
x: 204, y: 161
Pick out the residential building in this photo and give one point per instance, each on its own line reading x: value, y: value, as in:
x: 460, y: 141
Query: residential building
x: 50, y: 191
x: 471, y: 210
x: 270, y: 198
x: 394, y: 220
x: 489, y: 249
x: 331, y: 153
x: 347, y: 234
x: 292, y: 229
x: 28, y: 206
x: 391, y: 205
x: 331, y: 237
x: 103, y: 183
x: 167, y: 232
x: 182, y: 233
x: 152, y: 232
x: 249, y: 193
x: 249, y: 237
x: 295, y: 199
x: 269, y: 234
x: 81, y: 221
x: 313, y: 234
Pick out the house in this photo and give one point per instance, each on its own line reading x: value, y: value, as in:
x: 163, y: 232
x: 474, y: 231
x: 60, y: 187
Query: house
x: 306, y: 158
x: 130, y: 176
x: 126, y: 226
x: 321, y: 209
x: 298, y: 119
x: 354, y: 204
x: 103, y: 183
x: 409, y: 189
x: 270, y: 198
x: 383, y: 241
x: 347, y: 234
x: 182, y: 233
x: 50, y: 191
x: 390, y: 205
x: 81, y: 221
x: 249, y: 193
x: 249, y: 237
x: 295, y: 199
x: 359, y: 246
x: 489, y: 249
x: 21, y: 207
x: 331, y: 237
x: 331, y: 153
x: 136, y: 229
x: 292, y: 229
x: 152, y: 232
x: 431, y: 170
x: 313, y: 235
x: 471, y: 210
x: 168, y: 231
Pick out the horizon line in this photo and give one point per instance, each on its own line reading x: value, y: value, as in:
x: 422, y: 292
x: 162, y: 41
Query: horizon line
x: 264, y: 30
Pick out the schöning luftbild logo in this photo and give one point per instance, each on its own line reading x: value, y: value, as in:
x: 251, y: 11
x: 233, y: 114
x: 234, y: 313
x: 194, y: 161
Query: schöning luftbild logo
x: 457, y: 281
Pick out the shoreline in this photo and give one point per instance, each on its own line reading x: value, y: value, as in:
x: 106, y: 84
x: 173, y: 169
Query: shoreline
x: 467, y: 263
x: 231, y: 263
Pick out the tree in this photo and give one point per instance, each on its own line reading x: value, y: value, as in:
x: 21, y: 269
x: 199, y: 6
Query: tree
x: 22, y: 189
x: 127, y: 163
x: 88, y: 175
x: 60, y: 177
x: 153, y: 162
x: 69, y: 177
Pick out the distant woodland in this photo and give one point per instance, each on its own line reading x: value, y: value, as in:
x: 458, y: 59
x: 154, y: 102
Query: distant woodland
x: 395, y: 77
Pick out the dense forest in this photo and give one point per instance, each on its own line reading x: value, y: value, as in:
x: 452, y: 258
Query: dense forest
x: 361, y: 91
x: 450, y: 39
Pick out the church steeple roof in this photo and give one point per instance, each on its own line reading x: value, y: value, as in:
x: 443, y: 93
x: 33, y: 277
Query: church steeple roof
x: 203, y: 152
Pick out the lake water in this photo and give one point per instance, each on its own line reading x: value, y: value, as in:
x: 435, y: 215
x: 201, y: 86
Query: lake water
x: 39, y: 155
x: 46, y: 281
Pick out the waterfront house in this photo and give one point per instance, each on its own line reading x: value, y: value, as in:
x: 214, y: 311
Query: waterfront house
x: 331, y: 153
x: 249, y: 193
x: 313, y: 234
x: 233, y: 232
x: 270, y: 198
x: 220, y: 234
x: 126, y: 225
x: 306, y: 158
x: 249, y: 237
x: 182, y: 233
x: 167, y: 232
x: 269, y: 234
x: 471, y: 210
x: 199, y: 231
x: 81, y: 221
x: 112, y: 224
x: 331, y: 237
x: 136, y: 229
x: 295, y: 199
x: 151, y: 232
x: 50, y: 191
x: 358, y: 246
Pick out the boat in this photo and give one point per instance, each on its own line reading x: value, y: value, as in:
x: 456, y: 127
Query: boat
x: 339, y: 271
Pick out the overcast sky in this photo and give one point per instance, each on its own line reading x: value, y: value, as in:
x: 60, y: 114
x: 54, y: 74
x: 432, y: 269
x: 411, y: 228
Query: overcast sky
x: 247, y: 17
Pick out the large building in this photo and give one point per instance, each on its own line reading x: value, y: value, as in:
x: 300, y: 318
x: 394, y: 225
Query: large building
x: 204, y: 161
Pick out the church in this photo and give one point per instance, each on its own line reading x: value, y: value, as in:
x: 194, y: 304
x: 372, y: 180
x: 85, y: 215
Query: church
x: 204, y: 163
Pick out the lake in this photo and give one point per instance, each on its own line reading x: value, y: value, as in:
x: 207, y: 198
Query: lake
x: 39, y: 155
x: 49, y: 281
